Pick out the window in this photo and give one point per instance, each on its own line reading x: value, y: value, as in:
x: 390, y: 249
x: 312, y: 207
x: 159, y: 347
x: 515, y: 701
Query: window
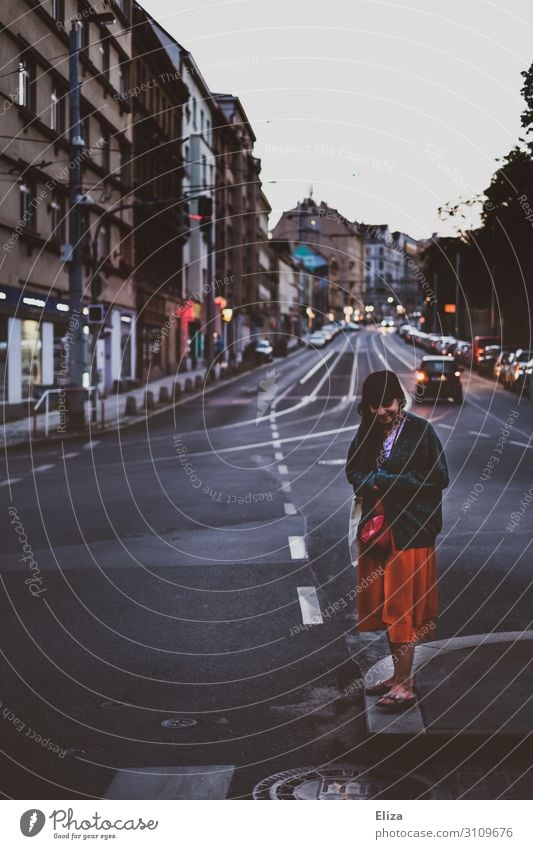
x: 56, y: 111
x: 123, y: 79
x: 104, y: 243
x: 204, y: 171
x: 194, y: 112
x: 57, y: 213
x: 26, y: 210
x: 105, y: 154
x: 25, y: 84
x: 104, y: 56
x: 57, y: 10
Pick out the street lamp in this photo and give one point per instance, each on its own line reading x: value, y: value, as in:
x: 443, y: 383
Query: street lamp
x: 75, y: 419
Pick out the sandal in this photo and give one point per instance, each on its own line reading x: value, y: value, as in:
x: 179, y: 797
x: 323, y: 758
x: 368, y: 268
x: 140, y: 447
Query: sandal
x: 396, y: 703
x: 380, y: 689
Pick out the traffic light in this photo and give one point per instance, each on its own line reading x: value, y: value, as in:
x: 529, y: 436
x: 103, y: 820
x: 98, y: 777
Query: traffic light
x: 205, y: 211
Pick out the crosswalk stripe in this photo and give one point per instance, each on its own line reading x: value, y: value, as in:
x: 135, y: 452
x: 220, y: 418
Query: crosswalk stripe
x: 298, y: 548
x: 309, y: 605
x: 179, y: 782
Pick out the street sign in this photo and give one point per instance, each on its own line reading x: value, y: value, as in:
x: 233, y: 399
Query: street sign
x: 95, y: 314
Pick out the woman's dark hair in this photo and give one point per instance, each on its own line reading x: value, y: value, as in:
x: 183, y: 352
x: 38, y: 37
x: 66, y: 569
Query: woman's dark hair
x: 379, y: 389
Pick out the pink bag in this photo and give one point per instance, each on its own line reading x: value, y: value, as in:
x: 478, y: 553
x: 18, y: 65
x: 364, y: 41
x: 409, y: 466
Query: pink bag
x: 371, y: 528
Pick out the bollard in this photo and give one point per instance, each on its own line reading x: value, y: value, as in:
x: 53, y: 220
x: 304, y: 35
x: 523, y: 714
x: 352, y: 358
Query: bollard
x: 188, y: 384
x: 131, y: 406
x: 176, y: 391
x: 148, y: 403
x: 198, y: 382
x: 164, y: 397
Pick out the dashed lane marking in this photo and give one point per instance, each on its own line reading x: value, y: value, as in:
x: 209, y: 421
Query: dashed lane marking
x: 71, y: 454
x: 479, y: 433
x: 298, y: 548
x: 316, y: 367
x: 340, y: 462
x: 290, y: 509
x: 44, y: 467
x: 283, y: 470
x: 521, y: 444
x: 278, y: 455
x: 311, y: 613
x: 89, y: 445
x: 286, y: 487
x: 10, y: 481
x: 276, y: 444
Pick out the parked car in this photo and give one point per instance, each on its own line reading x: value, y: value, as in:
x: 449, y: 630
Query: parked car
x: 438, y: 377
x: 316, y: 339
x: 430, y: 342
x: 329, y: 331
x: 350, y: 326
x: 479, y: 345
x: 498, y: 369
x: 403, y: 329
x: 487, y: 359
x: 442, y: 344
x: 517, y: 368
x: 460, y: 351
x: 263, y: 351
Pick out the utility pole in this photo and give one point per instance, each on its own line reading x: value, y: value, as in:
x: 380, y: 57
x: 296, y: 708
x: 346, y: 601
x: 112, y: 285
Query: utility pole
x: 457, y: 291
x: 75, y: 419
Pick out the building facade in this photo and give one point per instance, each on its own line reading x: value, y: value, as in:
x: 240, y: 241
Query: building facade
x: 157, y: 97
x: 334, y: 237
x: 35, y: 165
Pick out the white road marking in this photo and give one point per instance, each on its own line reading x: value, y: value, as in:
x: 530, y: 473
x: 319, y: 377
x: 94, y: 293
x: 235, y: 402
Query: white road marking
x: 276, y: 444
x: 286, y: 487
x: 283, y: 470
x: 316, y: 367
x: 298, y: 548
x: 479, y: 433
x: 278, y: 455
x: 71, y: 454
x: 311, y: 613
x: 91, y: 444
x: 10, y: 481
x: 179, y: 782
x: 275, y: 434
x: 331, y: 462
x: 290, y: 509
x: 441, y: 424
x: 44, y: 467
x: 521, y: 444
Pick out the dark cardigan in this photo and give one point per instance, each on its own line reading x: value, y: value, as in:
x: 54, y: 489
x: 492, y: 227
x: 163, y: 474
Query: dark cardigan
x: 410, y: 483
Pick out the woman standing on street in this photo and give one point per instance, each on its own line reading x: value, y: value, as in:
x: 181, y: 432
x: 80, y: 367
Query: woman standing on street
x: 397, y: 467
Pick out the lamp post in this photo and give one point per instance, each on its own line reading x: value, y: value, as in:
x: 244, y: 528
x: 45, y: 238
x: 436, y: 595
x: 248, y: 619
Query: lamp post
x: 75, y: 419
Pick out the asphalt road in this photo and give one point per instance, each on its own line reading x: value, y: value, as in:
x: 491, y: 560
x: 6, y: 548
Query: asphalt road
x: 195, y: 569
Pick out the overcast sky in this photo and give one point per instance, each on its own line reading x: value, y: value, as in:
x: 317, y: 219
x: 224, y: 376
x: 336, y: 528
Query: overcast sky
x: 388, y: 109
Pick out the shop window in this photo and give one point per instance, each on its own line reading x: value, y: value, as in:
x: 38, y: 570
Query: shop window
x: 3, y: 357
x: 30, y: 356
x: 26, y: 195
x: 57, y: 214
x: 126, y: 325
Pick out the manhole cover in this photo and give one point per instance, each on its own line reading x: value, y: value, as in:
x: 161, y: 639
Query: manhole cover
x: 342, y: 782
x: 178, y: 723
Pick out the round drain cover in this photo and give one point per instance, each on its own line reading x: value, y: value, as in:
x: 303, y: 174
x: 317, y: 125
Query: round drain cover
x: 342, y: 782
x: 178, y: 723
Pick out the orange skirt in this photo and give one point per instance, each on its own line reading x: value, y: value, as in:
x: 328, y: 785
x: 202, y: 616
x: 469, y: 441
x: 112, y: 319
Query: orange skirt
x: 396, y: 589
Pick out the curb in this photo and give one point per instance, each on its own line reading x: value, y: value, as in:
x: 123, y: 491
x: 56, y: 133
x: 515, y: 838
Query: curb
x: 130, y: 421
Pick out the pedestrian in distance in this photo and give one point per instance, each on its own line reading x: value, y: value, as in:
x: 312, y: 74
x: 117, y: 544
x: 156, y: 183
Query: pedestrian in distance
x: 397, y: 468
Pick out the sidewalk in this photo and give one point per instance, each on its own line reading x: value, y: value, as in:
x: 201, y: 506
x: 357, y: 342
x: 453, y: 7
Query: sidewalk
x: 112, y: 410
x: 478, y: 685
